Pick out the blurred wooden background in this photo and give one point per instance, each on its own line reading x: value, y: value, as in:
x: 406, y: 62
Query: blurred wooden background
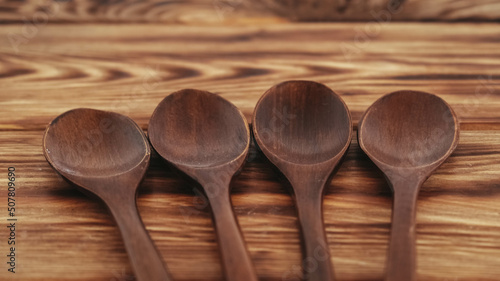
x: 210, y: 11
x: 125, y: 56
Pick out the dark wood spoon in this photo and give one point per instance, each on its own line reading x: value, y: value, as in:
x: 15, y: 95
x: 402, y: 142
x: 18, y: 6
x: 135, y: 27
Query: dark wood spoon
x: 207, y: 138
x: 305, y: 129
x: 107, y: 154
x: 407, y: 135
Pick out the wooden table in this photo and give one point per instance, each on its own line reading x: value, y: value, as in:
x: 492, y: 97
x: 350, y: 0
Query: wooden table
x: 77, y: 59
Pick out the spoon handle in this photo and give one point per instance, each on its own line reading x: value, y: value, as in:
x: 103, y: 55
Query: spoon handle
x: 316, y: 264
x: 235, y: 258
x: 401, y: 261
x: 144, y: 257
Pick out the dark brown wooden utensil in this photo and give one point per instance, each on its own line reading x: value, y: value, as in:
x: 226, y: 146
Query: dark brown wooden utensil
x: 305, y: 129
x: 207, y: 138
x: 407, y: 135
x: 107, y: 154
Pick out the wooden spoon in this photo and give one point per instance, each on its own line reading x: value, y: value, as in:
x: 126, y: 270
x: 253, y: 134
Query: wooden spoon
x: 107, y: 154
x: 305, y: 129
x: 407, y: 135
x: 207, y: 138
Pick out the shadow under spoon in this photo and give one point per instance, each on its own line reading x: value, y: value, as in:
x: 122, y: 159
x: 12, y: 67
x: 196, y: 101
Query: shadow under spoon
x: 305, y: 129
x: 407, y: 134
x: 207, y: 138
x: 107, y: 154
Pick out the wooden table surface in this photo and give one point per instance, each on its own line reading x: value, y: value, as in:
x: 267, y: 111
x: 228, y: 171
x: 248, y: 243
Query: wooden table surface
x: 95, y: 58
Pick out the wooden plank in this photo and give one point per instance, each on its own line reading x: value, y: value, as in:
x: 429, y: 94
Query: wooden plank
x: 63, y: 235
x: 373, y: 10
x: 130, y: 68
x: 230, y: 11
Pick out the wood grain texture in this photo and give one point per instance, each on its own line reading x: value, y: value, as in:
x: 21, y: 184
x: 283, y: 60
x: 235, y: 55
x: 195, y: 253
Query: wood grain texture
x: 63, y: 235
x: 376, y: 10
x: 131, y: 68
x: 230, y: 11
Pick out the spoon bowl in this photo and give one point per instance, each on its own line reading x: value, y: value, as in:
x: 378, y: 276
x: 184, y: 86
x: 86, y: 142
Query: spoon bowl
x: 302, y: 122
x: 416, y: 139
x: 407, y: 134
x: 198, y: 129
x: 305, y: 129
x: 107, y: 154
x: 89, y: 145
x: 207, y: 138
